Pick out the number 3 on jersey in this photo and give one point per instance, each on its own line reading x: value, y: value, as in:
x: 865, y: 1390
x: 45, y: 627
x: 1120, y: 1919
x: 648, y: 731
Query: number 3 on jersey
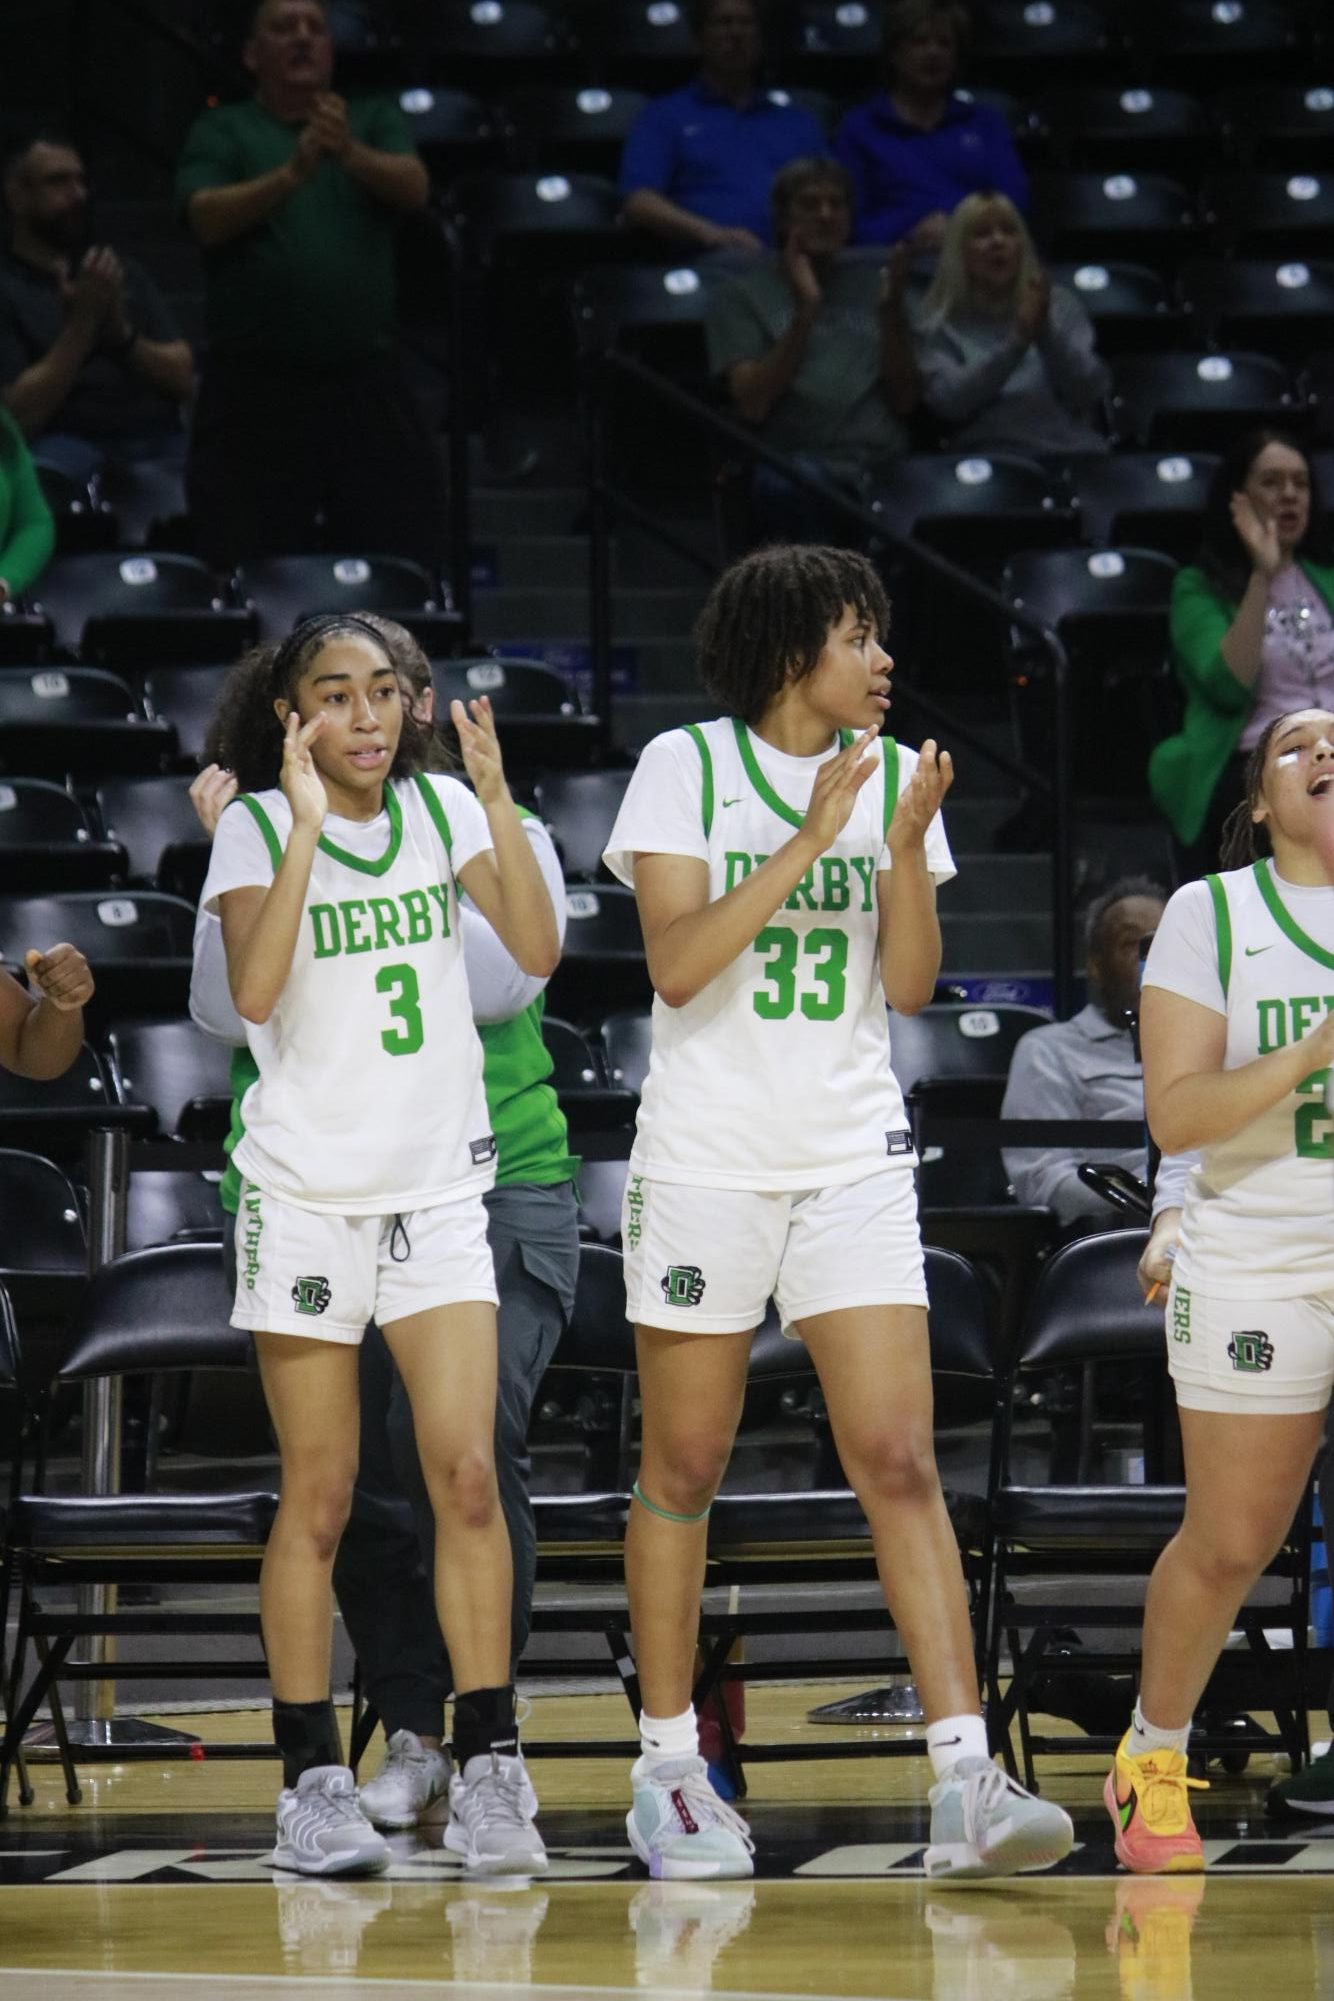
x: 401, y: 983
x: 778, y: 945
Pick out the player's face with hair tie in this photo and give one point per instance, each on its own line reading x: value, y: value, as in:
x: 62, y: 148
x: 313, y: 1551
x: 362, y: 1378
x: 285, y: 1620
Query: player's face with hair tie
x: 849, y: 686
x: 356, y: 689
x: 1297, y: 794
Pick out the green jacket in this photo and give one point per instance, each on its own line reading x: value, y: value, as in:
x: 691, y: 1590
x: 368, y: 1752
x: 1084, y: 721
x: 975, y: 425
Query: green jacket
x: 1185, y: 768
x: 27, y: 532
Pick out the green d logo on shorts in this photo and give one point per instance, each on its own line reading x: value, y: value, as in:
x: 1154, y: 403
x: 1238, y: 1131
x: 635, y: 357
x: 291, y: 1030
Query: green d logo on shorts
x: 1251, y: 1353
x: 683, y: 1285
x: 311, y: 1295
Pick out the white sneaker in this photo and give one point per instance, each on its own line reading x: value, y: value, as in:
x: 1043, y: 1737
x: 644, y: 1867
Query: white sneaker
x: 321, y: 1829
x: 411, y: 1785
x: 983, y: 1823
x: 491, y: 1809
x: 678, y: 1826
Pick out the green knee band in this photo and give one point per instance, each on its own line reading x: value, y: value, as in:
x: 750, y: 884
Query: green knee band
x: 665, y: 1514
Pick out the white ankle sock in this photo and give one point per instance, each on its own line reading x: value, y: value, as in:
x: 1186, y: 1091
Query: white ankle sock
x: 1146, y: 1736
x: 666, y: 1737
x: 955, y: 1737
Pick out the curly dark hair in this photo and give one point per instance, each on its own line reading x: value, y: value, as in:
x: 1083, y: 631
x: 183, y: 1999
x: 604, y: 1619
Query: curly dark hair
x: 244, y: 735
x: 1221, y: 556
x: 768, y: 617
x: 1242, y: 839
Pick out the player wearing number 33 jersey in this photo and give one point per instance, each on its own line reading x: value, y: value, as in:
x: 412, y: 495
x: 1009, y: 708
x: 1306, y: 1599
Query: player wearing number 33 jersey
x: 369, y: 1099
x: 776, y: 1075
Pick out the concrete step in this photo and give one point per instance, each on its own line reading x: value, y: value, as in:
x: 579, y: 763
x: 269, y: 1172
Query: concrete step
x: 1013, y: 943
x: 502, y: 511
x: 511, y: 614
x: 989, y: 884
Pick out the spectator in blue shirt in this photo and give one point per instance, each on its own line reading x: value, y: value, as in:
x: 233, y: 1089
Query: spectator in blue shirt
x: 699, y: 162
x: 916, y: 148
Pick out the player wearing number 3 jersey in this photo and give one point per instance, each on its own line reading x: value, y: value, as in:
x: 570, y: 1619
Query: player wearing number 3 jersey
x: 366, y: 1154
x: 785, y: 865
x: 1237, y: 1028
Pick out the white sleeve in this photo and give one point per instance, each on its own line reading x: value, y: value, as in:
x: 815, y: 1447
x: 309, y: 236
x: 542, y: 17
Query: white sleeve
x: 469, y: 833
x: 499, y: 987
x: 1169, y: 1184
x: 939, y: 860
x: 1183, y: 957
x: 211, y: 1006
x: 240, y: 857
x: 662, y: 812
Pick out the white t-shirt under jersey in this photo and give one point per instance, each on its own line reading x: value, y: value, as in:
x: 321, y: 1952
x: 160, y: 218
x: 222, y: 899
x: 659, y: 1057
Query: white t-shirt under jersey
x: 777, y: 1074
x: 369, y: 1099
x: 1258, y: 1214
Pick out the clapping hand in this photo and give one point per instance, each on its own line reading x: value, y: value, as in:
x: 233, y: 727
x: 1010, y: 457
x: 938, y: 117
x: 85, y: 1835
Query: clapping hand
x: 481, y: 749
x: 801, y: 277
x: 60, y: 976
x: 329, y: 124
x: 213, y: 790
x: 1258, y: 537
x: 921, y: 798
x: 837, y: 783
x: 1034, y: 305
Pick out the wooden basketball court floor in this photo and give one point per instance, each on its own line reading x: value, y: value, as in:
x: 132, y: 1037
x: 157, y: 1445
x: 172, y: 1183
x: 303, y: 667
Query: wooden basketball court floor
x: 155, y: 1887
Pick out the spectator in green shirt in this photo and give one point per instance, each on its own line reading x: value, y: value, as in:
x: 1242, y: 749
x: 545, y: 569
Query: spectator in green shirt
x: 295, y: 196
x: 27, y: 532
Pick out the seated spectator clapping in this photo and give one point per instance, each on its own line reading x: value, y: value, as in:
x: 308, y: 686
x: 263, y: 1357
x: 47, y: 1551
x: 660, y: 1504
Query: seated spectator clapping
x: 698, y: 162
x: 1007, y: 359
x: 918, y: 146
x: 1086, y: 1068
x: 814, y: 347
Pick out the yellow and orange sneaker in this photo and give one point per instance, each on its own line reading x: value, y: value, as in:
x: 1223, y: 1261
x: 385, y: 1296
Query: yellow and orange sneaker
x: 1147, y: 1798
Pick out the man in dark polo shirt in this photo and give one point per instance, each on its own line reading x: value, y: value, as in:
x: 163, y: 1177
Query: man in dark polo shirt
x: 92, y: 364
x: 698, y: 163
x: 304, y: 410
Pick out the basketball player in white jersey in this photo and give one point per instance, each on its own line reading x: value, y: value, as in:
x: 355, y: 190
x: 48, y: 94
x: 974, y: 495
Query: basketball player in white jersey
x: 1237, y: 1029
x: 785, y: 864
x: 366, y: 1152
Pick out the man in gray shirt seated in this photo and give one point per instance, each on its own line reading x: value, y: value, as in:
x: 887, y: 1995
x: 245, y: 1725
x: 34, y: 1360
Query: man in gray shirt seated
x: 814, y: 348
x: 1086, y: 1068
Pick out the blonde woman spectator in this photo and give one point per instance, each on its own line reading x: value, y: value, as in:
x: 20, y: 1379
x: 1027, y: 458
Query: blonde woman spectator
x: 1006, y: 358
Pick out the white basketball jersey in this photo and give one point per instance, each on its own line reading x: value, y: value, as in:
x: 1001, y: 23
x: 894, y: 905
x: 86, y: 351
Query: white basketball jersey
x: 776, y: 1075
x: 369, y: 1099
x: 1258, y: 1220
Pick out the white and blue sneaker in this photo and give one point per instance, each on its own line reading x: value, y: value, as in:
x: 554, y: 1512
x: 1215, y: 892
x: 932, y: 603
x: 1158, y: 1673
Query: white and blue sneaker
x: 411, y: 1786
x: 322, y: 1830
x: 678, y: 1826
x: 983, y: 1823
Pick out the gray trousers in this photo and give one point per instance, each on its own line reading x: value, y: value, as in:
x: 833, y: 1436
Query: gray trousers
x: 383, y: 1571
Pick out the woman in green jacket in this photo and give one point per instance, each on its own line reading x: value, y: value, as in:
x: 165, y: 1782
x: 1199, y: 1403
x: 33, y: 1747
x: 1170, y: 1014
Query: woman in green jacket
x: 27, y: 532
x: 1252, y: 625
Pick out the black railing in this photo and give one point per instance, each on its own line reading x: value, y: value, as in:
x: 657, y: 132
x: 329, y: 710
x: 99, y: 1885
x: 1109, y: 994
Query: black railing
x: 608, y: 501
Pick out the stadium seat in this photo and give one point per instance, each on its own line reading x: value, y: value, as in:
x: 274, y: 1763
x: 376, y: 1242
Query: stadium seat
x: 1277, y: 125
x: 55, y: 720
x: 960, y: 1041
x: 837, y: 43
x: 601, y: 1193
x: 1143, y: 500
x: 580, y: 808
x: 1271, y: 214
x: 180, y: 1073
x: 657, y: 315
x: 589, y: 1101
x: 576, y: 128
x: 626, y: 1038
x: 81, y: 522
x: 1128, y: 304
x: 1108, y: 593
x: 118, y: 609
x: 603, y: 964
x: 1027, y: 47
x: 138, y: 943
x: 543, y: 218
x: 53, y: 1116
x: 153, y: 820
x: 488, y: 45
x: 185, y: 697
x: 1130, y: 217
x: 648, y: 43
x: 46, y: 842
x: 43, y: 1264
x: 147, y: 501
x: 173, y: 1207
x: 282, y: 590
x: 1189, y: 401
x: 1275, y: 309
x: 26, y: 633
x: 1205, y: 45
x: 454, y: 132
x: 1317, y: 380
x: 538, y: 711
x: 976, y: 508
x: 1134, y: 131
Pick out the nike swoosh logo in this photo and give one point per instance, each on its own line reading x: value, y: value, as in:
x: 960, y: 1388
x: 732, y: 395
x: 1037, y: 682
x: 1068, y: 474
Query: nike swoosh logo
x: 1252, y: 951
x: 733, y: 802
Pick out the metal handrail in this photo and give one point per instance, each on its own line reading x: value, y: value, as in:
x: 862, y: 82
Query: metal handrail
x: 605, y: 500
